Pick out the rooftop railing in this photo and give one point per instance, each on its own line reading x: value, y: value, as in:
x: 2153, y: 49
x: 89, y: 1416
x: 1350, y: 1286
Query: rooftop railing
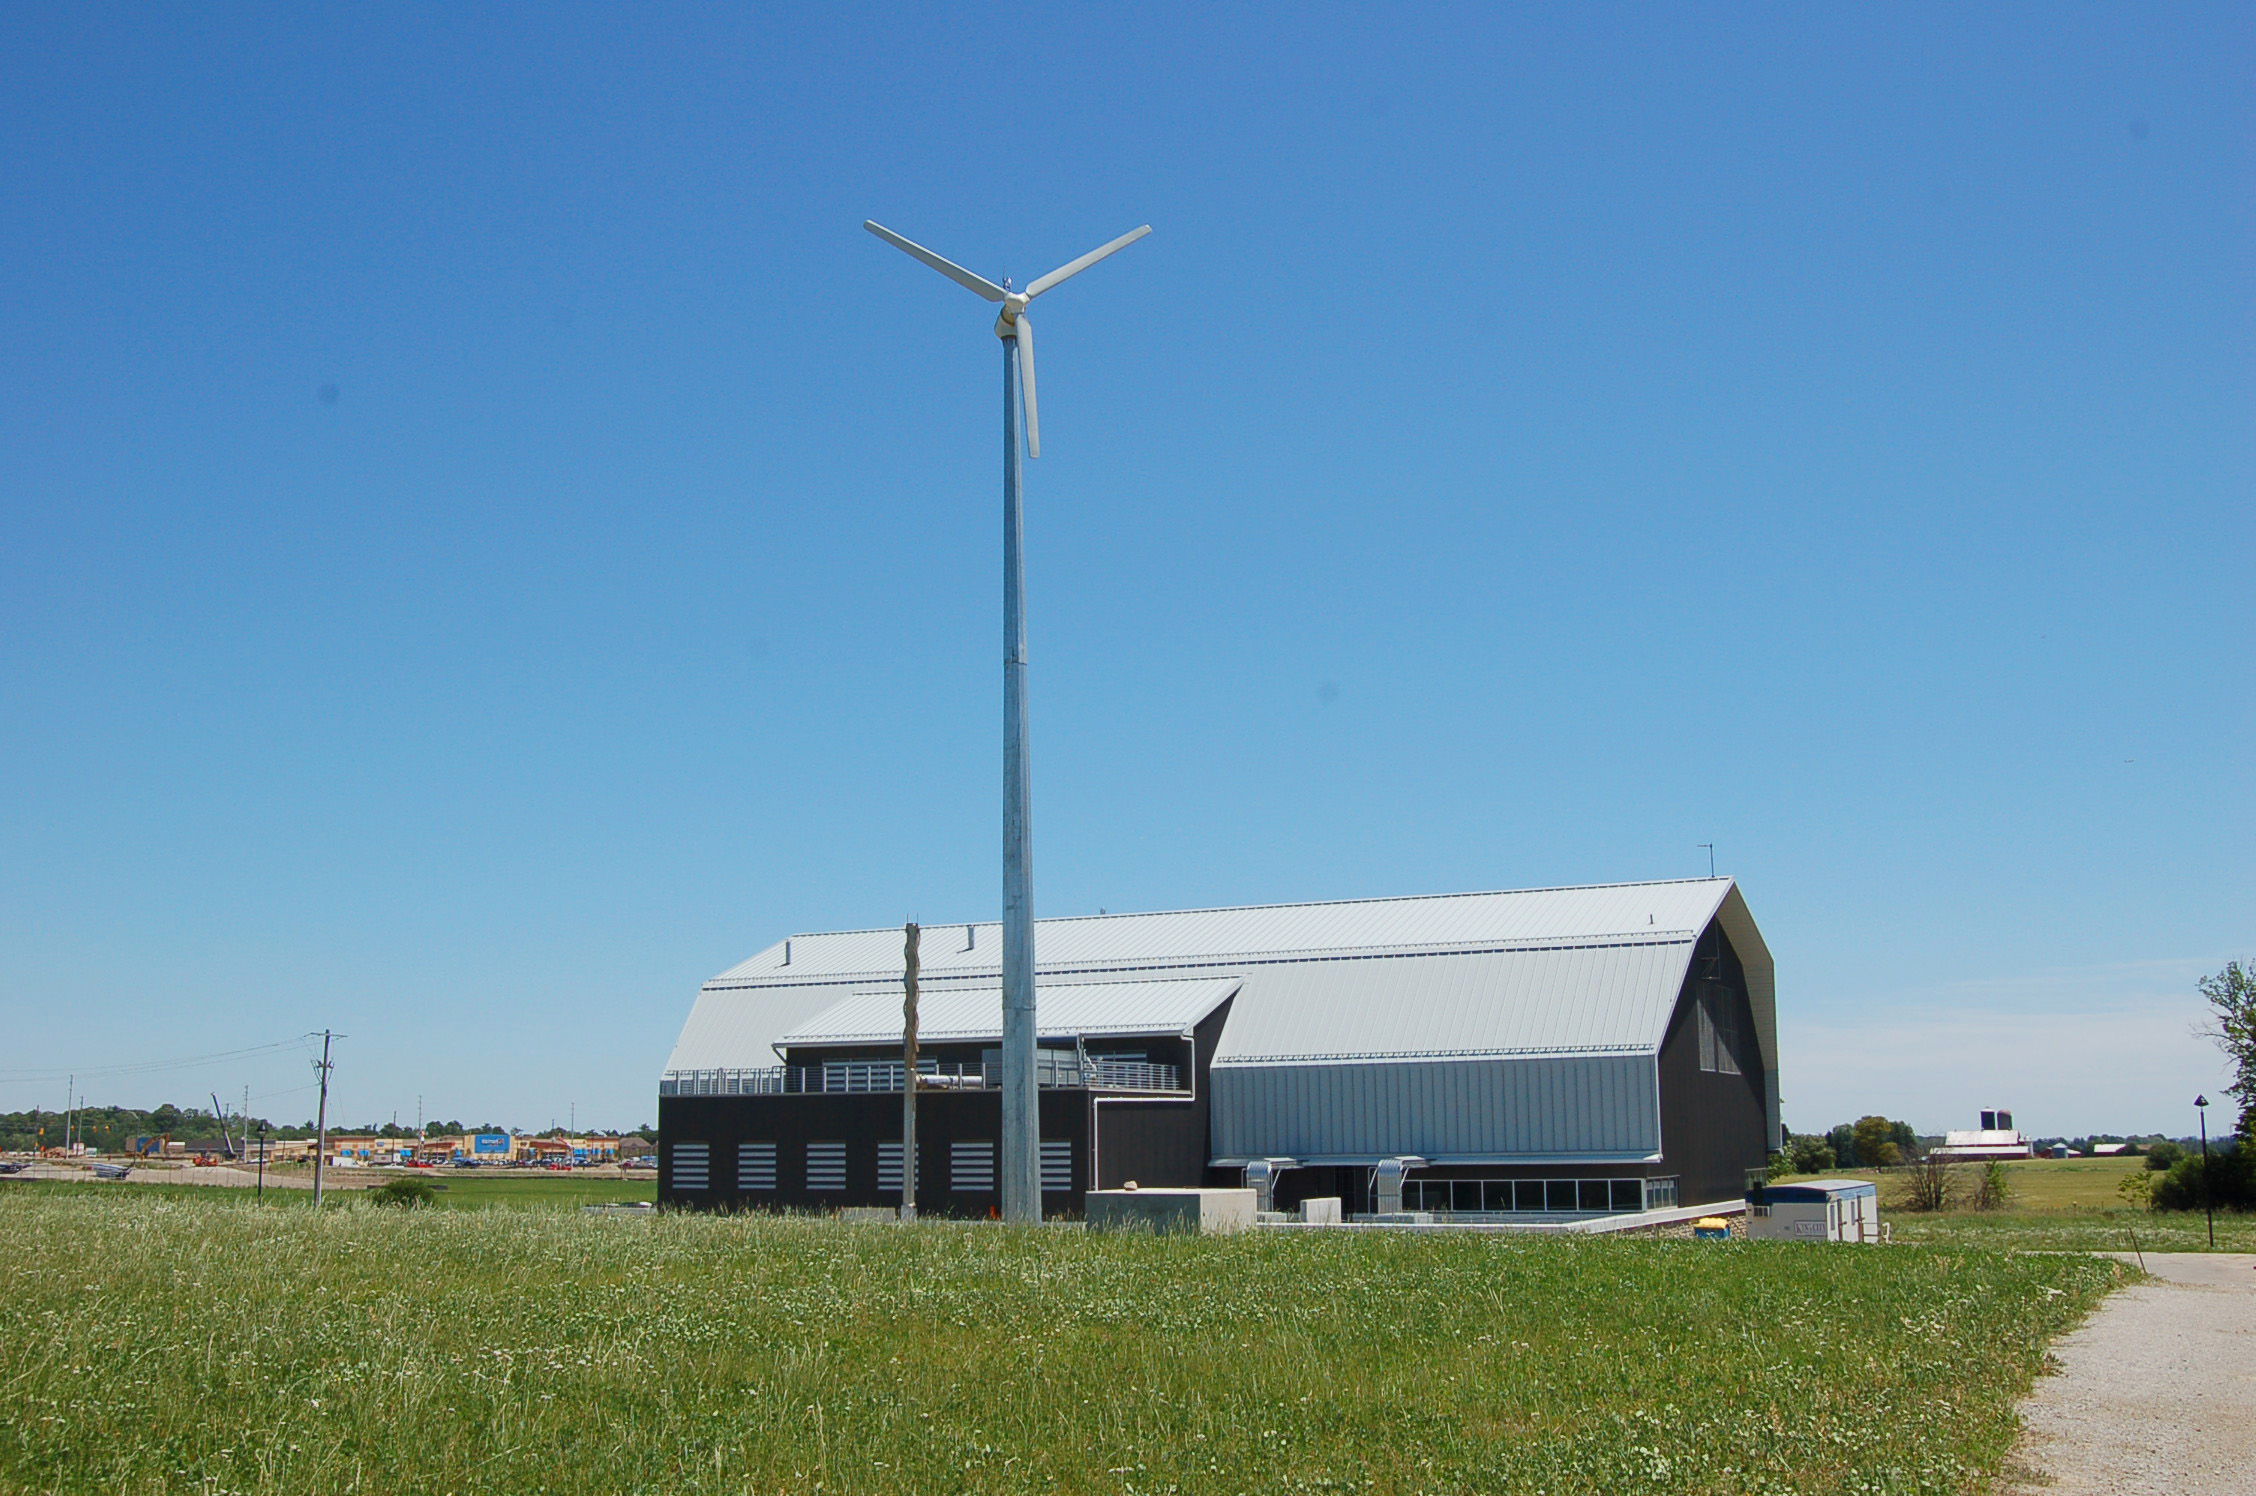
x: 1052, y: 1070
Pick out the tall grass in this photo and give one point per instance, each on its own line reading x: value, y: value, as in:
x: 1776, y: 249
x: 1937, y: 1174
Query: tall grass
x: 2087, y: 1230
x: 196, y: 1345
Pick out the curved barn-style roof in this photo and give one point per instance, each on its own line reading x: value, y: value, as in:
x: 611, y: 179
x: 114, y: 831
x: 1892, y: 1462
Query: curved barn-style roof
x: 1589, y: 971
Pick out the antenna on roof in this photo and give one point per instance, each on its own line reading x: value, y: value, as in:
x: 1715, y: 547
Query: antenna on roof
x: 1710, y: 846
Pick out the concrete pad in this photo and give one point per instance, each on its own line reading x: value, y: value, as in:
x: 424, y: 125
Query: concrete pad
x: 2199, y: 1269
x: 1206, y: 1212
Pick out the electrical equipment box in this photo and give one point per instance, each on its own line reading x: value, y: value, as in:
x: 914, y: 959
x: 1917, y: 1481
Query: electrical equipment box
x: 1815, y: 1210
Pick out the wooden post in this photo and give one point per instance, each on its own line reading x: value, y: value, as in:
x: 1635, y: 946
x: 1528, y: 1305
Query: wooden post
x: 909, y: 1074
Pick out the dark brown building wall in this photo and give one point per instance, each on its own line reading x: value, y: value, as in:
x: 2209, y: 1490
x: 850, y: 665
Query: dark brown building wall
x: 1712, y: 1128
x: 1162, y: 1143
x: 861, y: 1122
x: 1157, y: 1142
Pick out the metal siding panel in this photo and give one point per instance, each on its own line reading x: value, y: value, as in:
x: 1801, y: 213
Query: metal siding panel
x: 957, y: 1014
x: 1571, y: 1106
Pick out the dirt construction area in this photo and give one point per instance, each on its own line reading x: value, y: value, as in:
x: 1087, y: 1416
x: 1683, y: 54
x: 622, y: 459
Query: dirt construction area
x: 2156, y: 1392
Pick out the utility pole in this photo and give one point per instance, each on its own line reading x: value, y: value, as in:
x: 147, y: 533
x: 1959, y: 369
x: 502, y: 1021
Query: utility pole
x: 321, y: 1117
x: 909, y: 968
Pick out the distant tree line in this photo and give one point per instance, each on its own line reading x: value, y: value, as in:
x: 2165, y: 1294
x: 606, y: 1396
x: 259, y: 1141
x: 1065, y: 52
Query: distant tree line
x: 1867, y: 1143
x: 112, y: 1129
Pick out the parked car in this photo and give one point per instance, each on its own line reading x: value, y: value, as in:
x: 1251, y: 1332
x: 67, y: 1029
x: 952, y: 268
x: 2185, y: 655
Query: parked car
x: 640, y: 1161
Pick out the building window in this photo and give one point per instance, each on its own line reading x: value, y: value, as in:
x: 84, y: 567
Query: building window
x: 1660, y: 1194
x: 826, y: 1166
x: 1057, y: 1165
x: 1719, y: 1029
x: 971, y: 1168
x: 690, y: 1167
x: 889, y: 1167
x: 755, y: 1166
x: 1467, y: 1197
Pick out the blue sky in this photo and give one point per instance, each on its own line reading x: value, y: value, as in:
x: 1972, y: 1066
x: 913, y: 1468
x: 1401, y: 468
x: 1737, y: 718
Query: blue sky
x: 490, y: 542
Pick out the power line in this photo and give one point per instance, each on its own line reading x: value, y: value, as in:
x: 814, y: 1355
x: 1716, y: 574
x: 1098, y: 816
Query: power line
x: 148, y: 1067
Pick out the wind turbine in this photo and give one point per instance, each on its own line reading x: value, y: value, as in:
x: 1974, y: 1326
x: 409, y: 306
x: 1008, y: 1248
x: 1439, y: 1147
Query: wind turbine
x: 1022, y: 1153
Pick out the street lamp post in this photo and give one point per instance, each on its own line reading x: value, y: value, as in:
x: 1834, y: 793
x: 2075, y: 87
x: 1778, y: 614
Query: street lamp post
x: 2208, y: 1200
x: 260, y: 1194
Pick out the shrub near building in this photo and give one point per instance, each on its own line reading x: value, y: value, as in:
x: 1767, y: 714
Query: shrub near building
x: 2228, y: 1175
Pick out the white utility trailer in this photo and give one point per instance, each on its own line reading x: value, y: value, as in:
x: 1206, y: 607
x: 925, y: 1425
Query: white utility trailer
x: 1815, y: 1210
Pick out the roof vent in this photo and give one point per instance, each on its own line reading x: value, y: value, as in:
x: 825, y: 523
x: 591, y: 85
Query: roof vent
x: 786, y: 953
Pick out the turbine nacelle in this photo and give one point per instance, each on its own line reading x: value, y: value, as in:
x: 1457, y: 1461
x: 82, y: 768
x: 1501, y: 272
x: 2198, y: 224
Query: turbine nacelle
x: 1011, y: 323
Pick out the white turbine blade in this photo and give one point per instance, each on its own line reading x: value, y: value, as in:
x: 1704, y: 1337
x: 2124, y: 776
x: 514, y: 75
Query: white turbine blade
x: 1025, y: 339
x: 948, y: 268
x: 1066, y: 272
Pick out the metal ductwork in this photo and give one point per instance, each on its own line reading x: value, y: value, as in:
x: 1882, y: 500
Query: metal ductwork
x: 1261, y: 1177
x: 1389, y: 1181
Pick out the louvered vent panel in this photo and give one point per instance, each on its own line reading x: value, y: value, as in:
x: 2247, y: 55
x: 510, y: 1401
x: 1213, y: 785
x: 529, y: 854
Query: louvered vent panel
x: 971, y: 1168
x: 826, y: 1166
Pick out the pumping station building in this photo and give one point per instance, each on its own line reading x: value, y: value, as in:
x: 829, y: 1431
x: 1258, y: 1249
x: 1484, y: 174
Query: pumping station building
x: 1527, y: 1056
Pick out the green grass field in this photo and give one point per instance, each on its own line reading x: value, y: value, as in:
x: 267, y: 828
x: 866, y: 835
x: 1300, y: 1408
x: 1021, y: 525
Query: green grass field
x: 2062, y: 1205
x: 535, y: 1192
x: 174, y: 1342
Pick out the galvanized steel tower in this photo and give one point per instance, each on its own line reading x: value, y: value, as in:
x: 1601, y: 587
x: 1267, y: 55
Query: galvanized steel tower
x: 1022, y: 1150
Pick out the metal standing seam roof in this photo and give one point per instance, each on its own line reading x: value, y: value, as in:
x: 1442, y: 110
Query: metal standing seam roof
x: 960, y: 1014
x: 1540, y: 971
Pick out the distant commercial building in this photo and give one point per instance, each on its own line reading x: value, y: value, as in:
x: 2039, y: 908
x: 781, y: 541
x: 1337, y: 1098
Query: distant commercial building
x: 567, y: 1150
x: 368, y: 1149
x: 480, y: 1147
x: 1513, y: 1056
x: 1995, y: 1138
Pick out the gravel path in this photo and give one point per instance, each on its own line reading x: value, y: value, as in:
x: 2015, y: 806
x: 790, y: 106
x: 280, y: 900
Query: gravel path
x: 2156, y: 1393
x: 231, y: 1176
